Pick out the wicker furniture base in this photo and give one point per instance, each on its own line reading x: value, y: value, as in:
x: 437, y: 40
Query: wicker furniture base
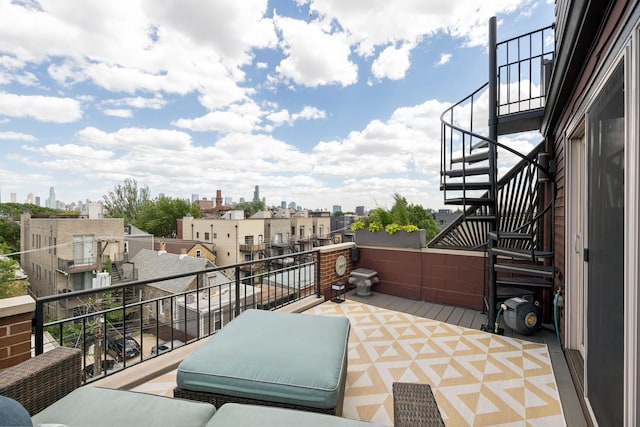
x: 415, y: 406
x: 42, y: 380
x: 218, y: 400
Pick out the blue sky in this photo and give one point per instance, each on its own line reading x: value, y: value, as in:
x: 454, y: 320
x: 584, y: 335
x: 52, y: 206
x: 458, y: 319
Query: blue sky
x: 319, y: 102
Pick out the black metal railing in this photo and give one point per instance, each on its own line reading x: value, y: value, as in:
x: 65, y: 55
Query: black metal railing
x: 122, y: 325
x: 521, y: 70
x: 518, y: 206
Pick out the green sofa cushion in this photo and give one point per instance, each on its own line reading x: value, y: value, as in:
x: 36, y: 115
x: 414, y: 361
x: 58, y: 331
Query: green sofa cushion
x: 280, y: 357
x: 237, y: 415
x: 96, y: 407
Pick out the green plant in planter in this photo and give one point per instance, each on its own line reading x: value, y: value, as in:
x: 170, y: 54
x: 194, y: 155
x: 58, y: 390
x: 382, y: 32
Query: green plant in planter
x: 402, y: 216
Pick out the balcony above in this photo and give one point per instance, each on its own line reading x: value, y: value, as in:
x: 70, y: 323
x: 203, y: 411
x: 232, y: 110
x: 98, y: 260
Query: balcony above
x: 253, y: 247
x: 77, y: 266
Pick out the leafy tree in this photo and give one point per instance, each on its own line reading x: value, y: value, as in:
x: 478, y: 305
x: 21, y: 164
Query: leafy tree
x: 126, y: 199
x: 250, y: 208
x: 16, y: 209
x: 9, y: 236
x: 9, y: 286
x: 159, y: 217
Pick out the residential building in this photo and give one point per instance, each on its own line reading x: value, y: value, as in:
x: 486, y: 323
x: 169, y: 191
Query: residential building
x: 62, y: 254
x: 191, y: 248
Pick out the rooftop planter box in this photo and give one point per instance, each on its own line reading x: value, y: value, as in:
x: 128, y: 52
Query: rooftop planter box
x: 399, y: 239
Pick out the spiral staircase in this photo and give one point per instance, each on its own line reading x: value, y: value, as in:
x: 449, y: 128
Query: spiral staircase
x: 509, y: 217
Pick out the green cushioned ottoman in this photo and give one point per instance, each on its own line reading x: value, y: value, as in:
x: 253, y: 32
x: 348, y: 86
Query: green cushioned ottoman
x: 271, y: 358
x: 233, y: 414
x: 102, y: 407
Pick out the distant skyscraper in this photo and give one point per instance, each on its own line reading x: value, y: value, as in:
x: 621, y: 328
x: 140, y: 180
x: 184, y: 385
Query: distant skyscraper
x: 51, y: 201
x: 283, y: 204
x: 194, y: 197
x: 256, y: 194
x: 292, y: 205
x: 38, y: 201
x: 14, y: 197
x: 241, y: 199
x: 228, y: 201
x: 30, y: 198
x: 337, y: 208
x: 359, y: 210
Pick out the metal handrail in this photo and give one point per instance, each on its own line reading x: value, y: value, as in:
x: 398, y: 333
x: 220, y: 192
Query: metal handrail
x: 193, y: 314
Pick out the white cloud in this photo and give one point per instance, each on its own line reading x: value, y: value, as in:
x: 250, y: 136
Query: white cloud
x: 392, y: 63
x: 444, y: 58
x: 242, y: 118
x: 17, y: 136
x: 155, y: 103
x: 42, y: 108
x: 118, y: 112
x: 313, y: 56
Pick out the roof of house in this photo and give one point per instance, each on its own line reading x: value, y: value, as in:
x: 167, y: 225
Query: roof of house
x: 152, y: 265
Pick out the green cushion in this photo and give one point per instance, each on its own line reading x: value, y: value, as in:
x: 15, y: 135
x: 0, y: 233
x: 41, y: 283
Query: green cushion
x: 273, y: 356
x: 236, y: 415
x: 94, y: 406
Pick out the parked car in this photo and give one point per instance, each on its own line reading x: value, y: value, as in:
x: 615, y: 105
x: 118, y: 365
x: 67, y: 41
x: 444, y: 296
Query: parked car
x: 166, y: 346
x: 107, y: 365
x: 123, y: 347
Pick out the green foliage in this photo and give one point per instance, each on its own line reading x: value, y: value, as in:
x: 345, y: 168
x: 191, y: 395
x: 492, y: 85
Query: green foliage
x: 159, y: 217
x: 401, y: 216
x: 9, y: 286
x: 16, y: 209
x: 125, y: 200
x: 9, y: 236
x: 108, y: 266
x: 250, y: 208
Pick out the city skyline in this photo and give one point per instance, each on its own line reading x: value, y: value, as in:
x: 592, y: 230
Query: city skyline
x: 317, y: 102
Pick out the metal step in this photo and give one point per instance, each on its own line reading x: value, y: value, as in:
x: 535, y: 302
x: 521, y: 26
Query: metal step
x: 529, y: 269
x: 469, y: 186
x: 475, y: 201
x: 457, y: 173
x: 472, y: 158
x: 524, y: 282
x: 479, y: 218
x: 497, y: 235
x: 480, y: 144
x: 521, y: 253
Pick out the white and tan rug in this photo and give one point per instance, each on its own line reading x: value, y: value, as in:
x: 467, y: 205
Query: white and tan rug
x: 478, y: 379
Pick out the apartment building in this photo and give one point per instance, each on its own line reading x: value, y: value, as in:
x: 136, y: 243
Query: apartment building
x: 64, y: 253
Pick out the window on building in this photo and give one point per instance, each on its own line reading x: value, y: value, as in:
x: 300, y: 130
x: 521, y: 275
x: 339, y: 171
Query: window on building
x: 206, y: 235
x: 197, y: 234
x: 248, y: 240
x: 215, y: 235
x: 260, y: 238
x: 301, y: 231
x: 198, y: 253
x: 83, y: 249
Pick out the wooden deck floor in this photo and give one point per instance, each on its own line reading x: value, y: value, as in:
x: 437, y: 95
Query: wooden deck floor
x: 474, y: 319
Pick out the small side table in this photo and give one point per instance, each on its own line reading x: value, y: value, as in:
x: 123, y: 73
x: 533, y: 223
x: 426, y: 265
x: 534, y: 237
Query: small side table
x: 337, y: 290
x: 415, y: 406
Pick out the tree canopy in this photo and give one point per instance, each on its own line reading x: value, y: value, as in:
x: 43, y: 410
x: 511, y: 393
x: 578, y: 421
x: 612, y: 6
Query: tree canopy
x: 9, y: 286
x: 250, y: 208
x: 159, y: 217
x: 126, y: 199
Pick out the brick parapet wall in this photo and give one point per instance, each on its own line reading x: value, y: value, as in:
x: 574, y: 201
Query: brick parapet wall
x: 15, y: 330
x: 440, y: 276
x: 328, y: 275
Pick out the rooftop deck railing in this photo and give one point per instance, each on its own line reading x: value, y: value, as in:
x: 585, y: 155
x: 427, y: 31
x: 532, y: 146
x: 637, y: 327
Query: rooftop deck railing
x: 121, y: 325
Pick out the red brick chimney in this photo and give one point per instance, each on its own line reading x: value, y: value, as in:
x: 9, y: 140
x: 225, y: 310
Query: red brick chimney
x: 218, y: 198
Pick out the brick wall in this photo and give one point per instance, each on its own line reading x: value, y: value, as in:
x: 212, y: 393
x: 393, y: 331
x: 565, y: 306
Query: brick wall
x: 444, y: 277
x: 328, y: 275
x: 15, y: 330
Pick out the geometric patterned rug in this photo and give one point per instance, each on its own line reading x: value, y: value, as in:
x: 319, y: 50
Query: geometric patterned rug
x: 477, y: 378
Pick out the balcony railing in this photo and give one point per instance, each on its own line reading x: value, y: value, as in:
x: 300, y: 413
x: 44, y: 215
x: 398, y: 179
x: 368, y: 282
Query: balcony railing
x: 117, y: 331
x: 77, y: 265
x: 252, y: 247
